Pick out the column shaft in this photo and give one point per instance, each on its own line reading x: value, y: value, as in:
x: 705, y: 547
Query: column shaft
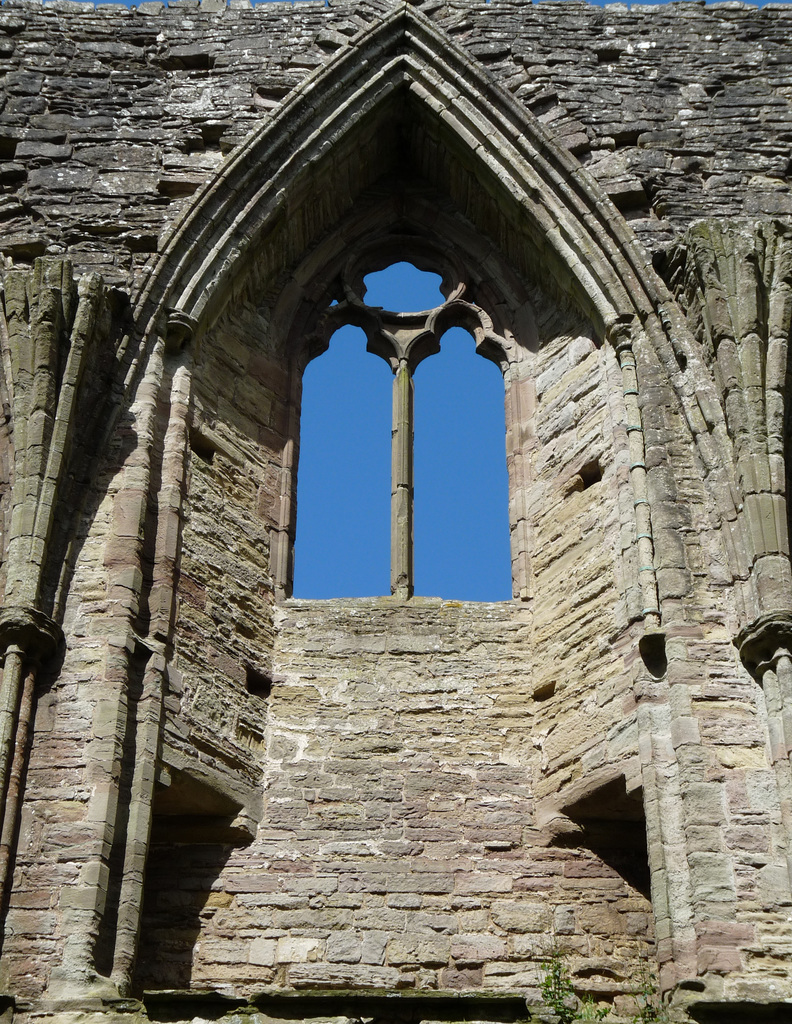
x: 402, y: 484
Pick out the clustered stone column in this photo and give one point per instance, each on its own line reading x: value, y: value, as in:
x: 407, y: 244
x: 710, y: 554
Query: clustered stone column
x: 28, y: 638
x: 765, y: 647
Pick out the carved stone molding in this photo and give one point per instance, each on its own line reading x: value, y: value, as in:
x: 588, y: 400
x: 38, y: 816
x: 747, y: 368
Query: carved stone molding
x: 180, y: 331
x: 31, y: 630
x: 734, y: 280
x: 761, y: 642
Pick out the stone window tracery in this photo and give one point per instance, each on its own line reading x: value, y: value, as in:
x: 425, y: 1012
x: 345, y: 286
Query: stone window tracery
x: 404, y: 340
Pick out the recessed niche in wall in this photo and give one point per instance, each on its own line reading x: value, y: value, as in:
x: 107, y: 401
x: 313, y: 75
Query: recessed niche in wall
x: 257, y: 683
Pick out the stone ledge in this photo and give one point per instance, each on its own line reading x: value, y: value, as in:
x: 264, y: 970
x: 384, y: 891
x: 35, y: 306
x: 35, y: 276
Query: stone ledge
x: 439, y: 1005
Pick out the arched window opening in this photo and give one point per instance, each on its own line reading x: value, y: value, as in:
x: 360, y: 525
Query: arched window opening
x: 369, y: 456
x: 342, y: 543
x: 403, y: 288
x: 461, y: 482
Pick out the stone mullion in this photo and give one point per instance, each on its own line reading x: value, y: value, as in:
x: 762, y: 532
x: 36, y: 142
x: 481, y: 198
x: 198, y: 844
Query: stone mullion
x: 402, y: 484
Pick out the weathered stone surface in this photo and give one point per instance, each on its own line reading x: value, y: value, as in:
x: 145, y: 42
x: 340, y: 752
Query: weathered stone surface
x: 653, y: 120
x: 220, y: 789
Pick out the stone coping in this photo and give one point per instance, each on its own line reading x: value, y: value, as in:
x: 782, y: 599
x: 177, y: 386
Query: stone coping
x: 675, y: 8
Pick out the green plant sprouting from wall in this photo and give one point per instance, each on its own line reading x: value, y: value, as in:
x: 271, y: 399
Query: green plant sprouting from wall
x: 559, y: 995
x: 557, y: 988
x: 650, y: 1009
x: 590, y: 1011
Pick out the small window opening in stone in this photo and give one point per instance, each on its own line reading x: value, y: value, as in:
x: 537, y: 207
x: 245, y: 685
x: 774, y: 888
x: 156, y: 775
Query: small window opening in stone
x: 212, y: 132
x: 653, y: 652
x: 342, y: 542
x: 591, y: 473
x: 608, y: 54
x: 545, y: 691
x: 257, y: 683
x: 614, y: 829
x: 462, y: 548
x: 587, y: 475
x: 202, y: 447
x: 403, y: 288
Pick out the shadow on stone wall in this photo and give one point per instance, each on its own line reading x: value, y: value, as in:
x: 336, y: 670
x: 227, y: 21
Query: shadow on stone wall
x: 178, y: 899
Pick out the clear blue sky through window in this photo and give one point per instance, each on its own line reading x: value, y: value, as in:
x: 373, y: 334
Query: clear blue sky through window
x: 342, y: 545
x: 402, y: 288
x: 461, y: 483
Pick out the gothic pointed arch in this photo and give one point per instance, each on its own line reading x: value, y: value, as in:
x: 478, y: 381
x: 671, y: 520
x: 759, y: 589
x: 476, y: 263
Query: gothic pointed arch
x: 220, y: 796
x: 404, y: 102
x: 397, y: 79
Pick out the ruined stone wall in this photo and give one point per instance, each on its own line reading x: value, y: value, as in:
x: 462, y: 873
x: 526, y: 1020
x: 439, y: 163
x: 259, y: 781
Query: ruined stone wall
x: 415, y: 796
x: 404, y: 749
x: 680, y: 111
x: 399, y: 846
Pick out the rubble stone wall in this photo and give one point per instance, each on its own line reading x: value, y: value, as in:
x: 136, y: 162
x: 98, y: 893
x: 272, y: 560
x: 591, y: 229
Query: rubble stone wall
x: 114, y: 117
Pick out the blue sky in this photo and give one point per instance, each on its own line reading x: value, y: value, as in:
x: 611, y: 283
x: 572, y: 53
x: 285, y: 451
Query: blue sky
x: 461, y: 488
